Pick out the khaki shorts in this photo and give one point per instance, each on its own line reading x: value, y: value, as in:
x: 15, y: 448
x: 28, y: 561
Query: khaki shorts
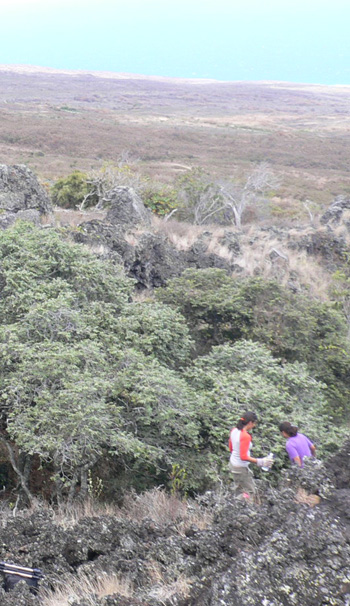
x: 243, y: 481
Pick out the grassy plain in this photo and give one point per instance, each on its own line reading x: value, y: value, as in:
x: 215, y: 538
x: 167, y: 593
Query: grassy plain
x: 56, y: 122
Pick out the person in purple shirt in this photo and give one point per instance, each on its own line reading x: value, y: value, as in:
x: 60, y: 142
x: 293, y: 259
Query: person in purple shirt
x: 298, y: 446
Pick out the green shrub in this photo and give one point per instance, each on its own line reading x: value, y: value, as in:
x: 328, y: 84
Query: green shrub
x: 295, y: 327
x: 161, y: 202
x: 245, y: 376
x: 88, y: 377
x: 69, y: 192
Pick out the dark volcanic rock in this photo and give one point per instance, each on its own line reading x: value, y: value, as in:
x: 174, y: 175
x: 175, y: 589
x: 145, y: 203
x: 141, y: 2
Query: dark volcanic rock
x: 325, y: 244
x: 231, y: 240
x: 334, y: 213
x: 156, y: 261
x: 200, y: 257
x: 20, y: 596
x: 7, y: 219
x: 280, y: 552
x: 339, y: 466
x: 21, y: 191
x: 127, y: 208
x: 151, y: 260
x: 303, y: 562
x: 106, y: 240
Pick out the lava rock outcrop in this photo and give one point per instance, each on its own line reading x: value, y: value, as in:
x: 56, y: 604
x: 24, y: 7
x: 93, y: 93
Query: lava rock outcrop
x: 285, y: 550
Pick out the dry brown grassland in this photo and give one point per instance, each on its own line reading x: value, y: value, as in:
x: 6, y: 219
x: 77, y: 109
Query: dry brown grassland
x: 56, y: 122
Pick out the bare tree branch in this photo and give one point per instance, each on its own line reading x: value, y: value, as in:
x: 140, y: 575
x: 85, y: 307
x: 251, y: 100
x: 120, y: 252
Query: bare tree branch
x: 23, y: 481
x: 237, y: 196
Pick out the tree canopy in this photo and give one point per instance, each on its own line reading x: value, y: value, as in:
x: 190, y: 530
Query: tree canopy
x: 294, y: 327
x: 91, y: 378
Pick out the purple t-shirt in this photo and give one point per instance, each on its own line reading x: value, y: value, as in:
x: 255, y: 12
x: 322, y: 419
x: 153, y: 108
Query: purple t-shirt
x: 299, y: 446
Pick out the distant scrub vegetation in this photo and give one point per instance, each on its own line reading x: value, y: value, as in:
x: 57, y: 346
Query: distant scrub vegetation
x: 195, y: 196
x: 145, y: 393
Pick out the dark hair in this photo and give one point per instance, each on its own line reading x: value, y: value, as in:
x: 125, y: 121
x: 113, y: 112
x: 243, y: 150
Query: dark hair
x: 246, y: 418
x: 288, y: 428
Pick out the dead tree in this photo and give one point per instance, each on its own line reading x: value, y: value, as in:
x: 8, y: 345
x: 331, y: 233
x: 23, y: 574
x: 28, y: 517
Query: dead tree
x: 200, y: 196
x: 236, y: 196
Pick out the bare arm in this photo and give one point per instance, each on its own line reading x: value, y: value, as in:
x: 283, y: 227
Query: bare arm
x: 251, y: 459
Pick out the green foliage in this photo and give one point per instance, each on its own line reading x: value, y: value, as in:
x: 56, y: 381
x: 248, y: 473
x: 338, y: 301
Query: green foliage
x: 245, y: 376
x: 212, y: 304
x: 95, y: 486
x: 193, y: 182
x: 219, y: 308
x: 162, y: 201
x: 78, y: 360
x: 54, y: 371
x: 340, y: 291
x: 177, y: 479
x: 156, y: 329
x: 70, y: 191
x: 158, y: 400
x: 39, y: 265
x: 58, y: 404
x: 87, y: 375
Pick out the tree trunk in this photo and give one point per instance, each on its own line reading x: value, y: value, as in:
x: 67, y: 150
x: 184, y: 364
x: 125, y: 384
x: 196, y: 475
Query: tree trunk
x: 23, y: 476
x: 72, y: 489
x: 84, y: 488
x: 237, y: 216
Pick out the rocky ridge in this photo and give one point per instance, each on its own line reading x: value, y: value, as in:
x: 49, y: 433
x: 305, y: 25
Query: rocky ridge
x: 151, y: 256
x: 291, y: 548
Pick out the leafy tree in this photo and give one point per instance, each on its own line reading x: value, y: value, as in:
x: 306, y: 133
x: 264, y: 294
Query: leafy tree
x: 295, y: 327
x: 89, y: 376
x: 162, y: 200
x: 159, y: 408
x: 68, y: 382
x: 59, y: 409
x: 245, y: 376
x: 53, y: 369
x: 38, y: 265
x: 212, y: 304
x: 156, y: 329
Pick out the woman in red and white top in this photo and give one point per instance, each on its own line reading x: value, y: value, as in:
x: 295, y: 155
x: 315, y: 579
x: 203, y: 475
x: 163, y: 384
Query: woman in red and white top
x: 240, y: 444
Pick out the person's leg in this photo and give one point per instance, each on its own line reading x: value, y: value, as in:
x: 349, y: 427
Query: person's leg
x: 243, y: 482
x: 249, y: 484
x: 238, y: 481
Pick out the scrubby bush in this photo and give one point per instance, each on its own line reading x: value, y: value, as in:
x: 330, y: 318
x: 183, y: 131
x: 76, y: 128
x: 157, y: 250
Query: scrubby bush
x: 90, y: 378
x: 70, y: 191
x: 158, y: 330
x: 295, y: 327
x: 161, y: 200
x: 245, y: 376
x: 84, y: 370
